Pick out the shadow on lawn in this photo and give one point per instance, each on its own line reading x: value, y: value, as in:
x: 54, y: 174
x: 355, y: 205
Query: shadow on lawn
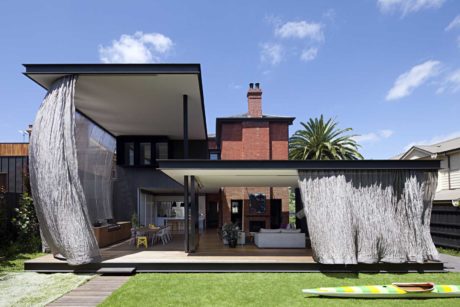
x: 342, y: 275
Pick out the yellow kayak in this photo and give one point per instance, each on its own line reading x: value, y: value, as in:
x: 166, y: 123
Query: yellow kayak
x: 395, y: 290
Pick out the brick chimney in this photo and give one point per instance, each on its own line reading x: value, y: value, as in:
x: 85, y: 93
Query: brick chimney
x: 254, y: 100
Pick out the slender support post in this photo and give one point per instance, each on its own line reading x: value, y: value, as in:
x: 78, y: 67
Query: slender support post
x: 193, y: 219
x: 185, y: 119
x: 186, y: 227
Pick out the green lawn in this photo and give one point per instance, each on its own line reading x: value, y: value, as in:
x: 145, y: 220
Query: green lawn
x: 449, y: 251
x: 16, y: 262
x: 261, y: 289
x: 19, y: 288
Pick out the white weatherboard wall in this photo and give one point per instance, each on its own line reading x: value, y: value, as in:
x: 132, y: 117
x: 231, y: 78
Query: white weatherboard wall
x: 455, y: 171
x: 369, y: 216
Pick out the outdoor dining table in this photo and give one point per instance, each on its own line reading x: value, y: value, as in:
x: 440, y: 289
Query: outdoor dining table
x: 150, y: 231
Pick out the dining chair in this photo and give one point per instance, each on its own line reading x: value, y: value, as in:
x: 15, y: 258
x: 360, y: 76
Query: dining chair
x: 133, y: 237
x: 141, y: 240
x: 168, y: 233
x: 162, y: 235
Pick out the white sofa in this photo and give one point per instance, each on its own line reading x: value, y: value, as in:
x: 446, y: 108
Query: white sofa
x: 279, y: 238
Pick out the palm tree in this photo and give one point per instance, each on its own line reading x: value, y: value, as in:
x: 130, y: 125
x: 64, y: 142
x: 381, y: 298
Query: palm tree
x: 320, y: 140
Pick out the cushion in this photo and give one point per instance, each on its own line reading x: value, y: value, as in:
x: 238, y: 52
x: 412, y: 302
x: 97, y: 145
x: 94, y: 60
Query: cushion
x: 291, y: 230
x: 269, y: 230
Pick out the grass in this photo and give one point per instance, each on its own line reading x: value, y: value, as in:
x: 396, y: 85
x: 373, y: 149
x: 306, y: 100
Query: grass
x: 16, y: 263
x: 35, y: 289
x: 448, y: 251
x: 261, y: 289
x: 19, y: 288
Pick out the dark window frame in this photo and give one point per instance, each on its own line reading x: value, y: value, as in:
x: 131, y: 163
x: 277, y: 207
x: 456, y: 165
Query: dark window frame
x: 214, y: 152
x: 138, y: 140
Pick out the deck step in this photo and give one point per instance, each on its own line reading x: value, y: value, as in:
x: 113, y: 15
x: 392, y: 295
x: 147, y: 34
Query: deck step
x: 117, y: 271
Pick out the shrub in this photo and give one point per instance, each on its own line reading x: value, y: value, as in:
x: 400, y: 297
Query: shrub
x: 26, y: 224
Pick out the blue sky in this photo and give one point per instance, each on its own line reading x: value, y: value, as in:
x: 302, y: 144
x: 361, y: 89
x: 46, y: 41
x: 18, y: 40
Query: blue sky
x: 390, y: 69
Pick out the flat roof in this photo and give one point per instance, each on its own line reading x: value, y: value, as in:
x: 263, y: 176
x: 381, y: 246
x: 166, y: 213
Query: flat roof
x: 133, y: 99
x: 213, y: 174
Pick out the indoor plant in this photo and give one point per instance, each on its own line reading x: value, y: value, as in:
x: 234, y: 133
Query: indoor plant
x: 230, y: 233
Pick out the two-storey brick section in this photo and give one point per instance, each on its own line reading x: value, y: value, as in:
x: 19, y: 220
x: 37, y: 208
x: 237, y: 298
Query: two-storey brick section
x: 252, y: 136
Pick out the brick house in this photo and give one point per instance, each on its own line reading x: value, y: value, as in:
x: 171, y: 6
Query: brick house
x: 250, y: 136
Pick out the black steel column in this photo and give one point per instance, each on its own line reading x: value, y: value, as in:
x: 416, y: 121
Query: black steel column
x: 185, y: 119
x: 186, y: 227
x: 193, y: 232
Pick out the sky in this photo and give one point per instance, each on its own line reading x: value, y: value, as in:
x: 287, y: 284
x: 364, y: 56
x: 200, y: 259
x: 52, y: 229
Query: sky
x: 389, y: 69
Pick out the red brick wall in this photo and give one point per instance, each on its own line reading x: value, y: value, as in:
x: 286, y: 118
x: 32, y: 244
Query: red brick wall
x: 254, y: 140
x: 231, y: 139
x: 279, y: 140
x: 212, y: 143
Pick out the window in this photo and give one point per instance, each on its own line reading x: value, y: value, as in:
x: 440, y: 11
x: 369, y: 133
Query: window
x: 214, y: 155
x: 129, y: 153
x: 146, y: 153
x: 161, y: 150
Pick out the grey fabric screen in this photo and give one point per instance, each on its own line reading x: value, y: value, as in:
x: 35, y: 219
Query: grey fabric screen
x: 369, y: 216
x: 56, y: 187
x: 95, y: 152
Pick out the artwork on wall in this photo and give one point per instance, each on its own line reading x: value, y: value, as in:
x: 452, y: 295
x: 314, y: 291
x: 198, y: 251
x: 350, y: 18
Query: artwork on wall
x: 257, y: 203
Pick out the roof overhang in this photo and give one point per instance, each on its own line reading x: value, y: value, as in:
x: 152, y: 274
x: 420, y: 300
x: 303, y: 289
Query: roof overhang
x: 213, y: 174
x: 133, y: 99
x: 414, y: 148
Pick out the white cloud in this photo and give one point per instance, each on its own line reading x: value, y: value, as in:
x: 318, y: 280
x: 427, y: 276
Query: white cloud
x: 234, y: 86
x: 309, y: 54
x: 434, y: 140
x: 455, y: 23
x: 451, y: 83
x: 408, y: 6
x: 374, y: 136
x: 138, y: 48
x: 386, y: 133
x: 410, y: 80
x: 271, y: 53
x: 300, y: 29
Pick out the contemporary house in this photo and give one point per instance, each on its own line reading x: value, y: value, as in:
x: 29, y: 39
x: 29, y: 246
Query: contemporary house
x: 445, y: 222
x: 117, y: 141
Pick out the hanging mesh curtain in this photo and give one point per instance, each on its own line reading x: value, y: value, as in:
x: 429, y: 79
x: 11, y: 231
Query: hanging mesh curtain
x: 70, y: 167
x: 369, y: 216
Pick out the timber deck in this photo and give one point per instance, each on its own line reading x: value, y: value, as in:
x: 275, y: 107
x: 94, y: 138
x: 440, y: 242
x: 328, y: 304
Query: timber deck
x: 213, y: 256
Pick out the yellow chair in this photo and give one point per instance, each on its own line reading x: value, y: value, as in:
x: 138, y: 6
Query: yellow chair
x: 142, y: 240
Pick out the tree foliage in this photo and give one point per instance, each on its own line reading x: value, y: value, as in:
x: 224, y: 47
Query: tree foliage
x: 26, y: 224
x: 323, y: 140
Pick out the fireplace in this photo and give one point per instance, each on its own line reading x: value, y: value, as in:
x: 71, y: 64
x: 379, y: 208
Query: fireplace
x: 254, y: 226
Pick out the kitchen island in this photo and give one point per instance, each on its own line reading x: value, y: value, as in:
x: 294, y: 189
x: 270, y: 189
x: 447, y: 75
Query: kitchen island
x: 177, y: 224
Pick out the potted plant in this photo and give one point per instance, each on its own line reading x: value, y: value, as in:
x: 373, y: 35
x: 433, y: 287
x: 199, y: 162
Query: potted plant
x: 230, y: 233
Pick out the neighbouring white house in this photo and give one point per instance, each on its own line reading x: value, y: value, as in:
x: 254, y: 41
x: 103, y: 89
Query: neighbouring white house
x: 448, y: 190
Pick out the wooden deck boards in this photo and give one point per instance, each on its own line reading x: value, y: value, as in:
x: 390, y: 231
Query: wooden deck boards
x: 214, y: 256
x: 92, y: 293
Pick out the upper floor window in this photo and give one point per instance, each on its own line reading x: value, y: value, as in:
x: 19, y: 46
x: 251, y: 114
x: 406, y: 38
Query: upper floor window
x: 214, y: 155
x: 161, y: 150
x: 129, y: 153
x: 145, y: 153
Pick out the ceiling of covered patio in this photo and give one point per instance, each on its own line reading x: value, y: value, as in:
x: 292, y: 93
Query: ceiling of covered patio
x: 144, y: 99
x: 213, y: 174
